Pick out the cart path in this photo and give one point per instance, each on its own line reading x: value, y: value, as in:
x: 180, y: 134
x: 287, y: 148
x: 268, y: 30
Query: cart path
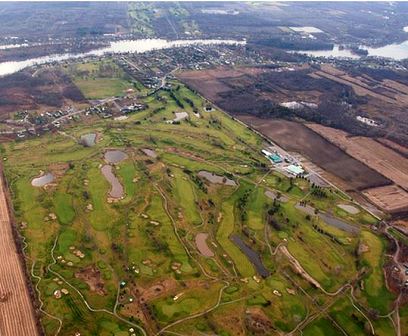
x: 16, y: 310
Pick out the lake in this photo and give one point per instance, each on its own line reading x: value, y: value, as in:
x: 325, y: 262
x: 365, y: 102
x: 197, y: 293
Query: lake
x: 117, y: 47
x: 396, y: 51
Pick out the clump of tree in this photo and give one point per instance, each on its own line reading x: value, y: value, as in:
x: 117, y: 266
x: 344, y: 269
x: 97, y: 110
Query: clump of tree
x: 318, y: 191
x: 242, y: 204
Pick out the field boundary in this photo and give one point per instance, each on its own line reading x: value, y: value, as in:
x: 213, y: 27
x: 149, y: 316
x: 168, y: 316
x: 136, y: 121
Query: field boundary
x: 36, y: 328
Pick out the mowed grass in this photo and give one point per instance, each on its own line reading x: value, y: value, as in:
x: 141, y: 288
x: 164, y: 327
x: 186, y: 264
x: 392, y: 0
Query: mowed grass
x: 257, y: 209
x: 321, y: 327
x: 375, y: 291
x: 100, y: 88
x: 103, y: 215
x: 63, y: 207
x: 185, y: 196
x: 225, y: 229
x: 157, y: 213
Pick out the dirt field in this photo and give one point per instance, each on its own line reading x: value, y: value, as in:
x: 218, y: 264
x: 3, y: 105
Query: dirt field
x: 390, y: 198
x: 296, y: 137
x: 16, y: 311
x: 46, y: 90
x: 378, y: 157
x: 260, y: 92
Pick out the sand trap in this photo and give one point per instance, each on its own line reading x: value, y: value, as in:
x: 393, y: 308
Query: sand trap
x: 349, y: 208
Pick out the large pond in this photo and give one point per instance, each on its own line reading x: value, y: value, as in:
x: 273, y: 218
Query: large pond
x: 396, y: 51
x: 116, y: 187
x: 213, y: 178
x: 253, y: 257
x: 329, y: 219
x: 42, y: 180
x: 202, y: 246
x: 115, y: 156
x: 117, y: 47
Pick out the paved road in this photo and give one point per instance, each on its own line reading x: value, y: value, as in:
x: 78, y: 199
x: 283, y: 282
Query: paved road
x: 16, y: 310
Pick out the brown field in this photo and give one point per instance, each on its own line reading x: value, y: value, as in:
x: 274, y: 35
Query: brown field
x: 48, y: 89
x: 389, y: 198
x: 259, y: 91
x: 16, y: 310
x: 297, y: 138
x: 375, y: 155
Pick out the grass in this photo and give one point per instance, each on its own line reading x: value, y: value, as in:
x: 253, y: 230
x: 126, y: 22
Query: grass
x: 135, y: 240
x: 100, y: 88
x: 98, y: 80
x: 375, y: 291
x: 226, y: 228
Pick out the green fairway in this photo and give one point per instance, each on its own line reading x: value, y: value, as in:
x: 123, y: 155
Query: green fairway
x: 163, y: 252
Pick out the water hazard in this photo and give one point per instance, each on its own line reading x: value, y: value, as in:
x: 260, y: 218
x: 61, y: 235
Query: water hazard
x: 213, y: 178
x: 42, y: 180
x: 253, y: 257
x: 202, y: 246
x: 115, y: 156
x: 116, y: 187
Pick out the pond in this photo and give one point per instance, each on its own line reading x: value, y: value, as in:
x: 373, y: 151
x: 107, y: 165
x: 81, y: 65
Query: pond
x: 253, y: 257
x: 202, y: 246
x: 349, y: 208
x: 115, y: 156
x: 329, y: 219
x: 88, y: 140
x: 116, y: 187
x: 149, y: 152
x: 116, y: 47
x: 272, y: 195
x: 42, y: 180
x: 213, y: 178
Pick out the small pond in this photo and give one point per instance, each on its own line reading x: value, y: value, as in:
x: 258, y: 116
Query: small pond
x: 88, y: 140
x: 116, y: 187
x: 42, y: 180
x: 115, y: 156
x: 149, y: 152
x: 329, y: 219
x: 349, y: 208
x: 213, y: 178
x: 202, y: 246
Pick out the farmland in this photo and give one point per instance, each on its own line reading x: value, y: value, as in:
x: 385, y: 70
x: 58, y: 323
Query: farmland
x: 128, y: 264
x: 15, y: 300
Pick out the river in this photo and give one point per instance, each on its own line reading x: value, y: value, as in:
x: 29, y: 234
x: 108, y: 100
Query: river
x: 117, y: 47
